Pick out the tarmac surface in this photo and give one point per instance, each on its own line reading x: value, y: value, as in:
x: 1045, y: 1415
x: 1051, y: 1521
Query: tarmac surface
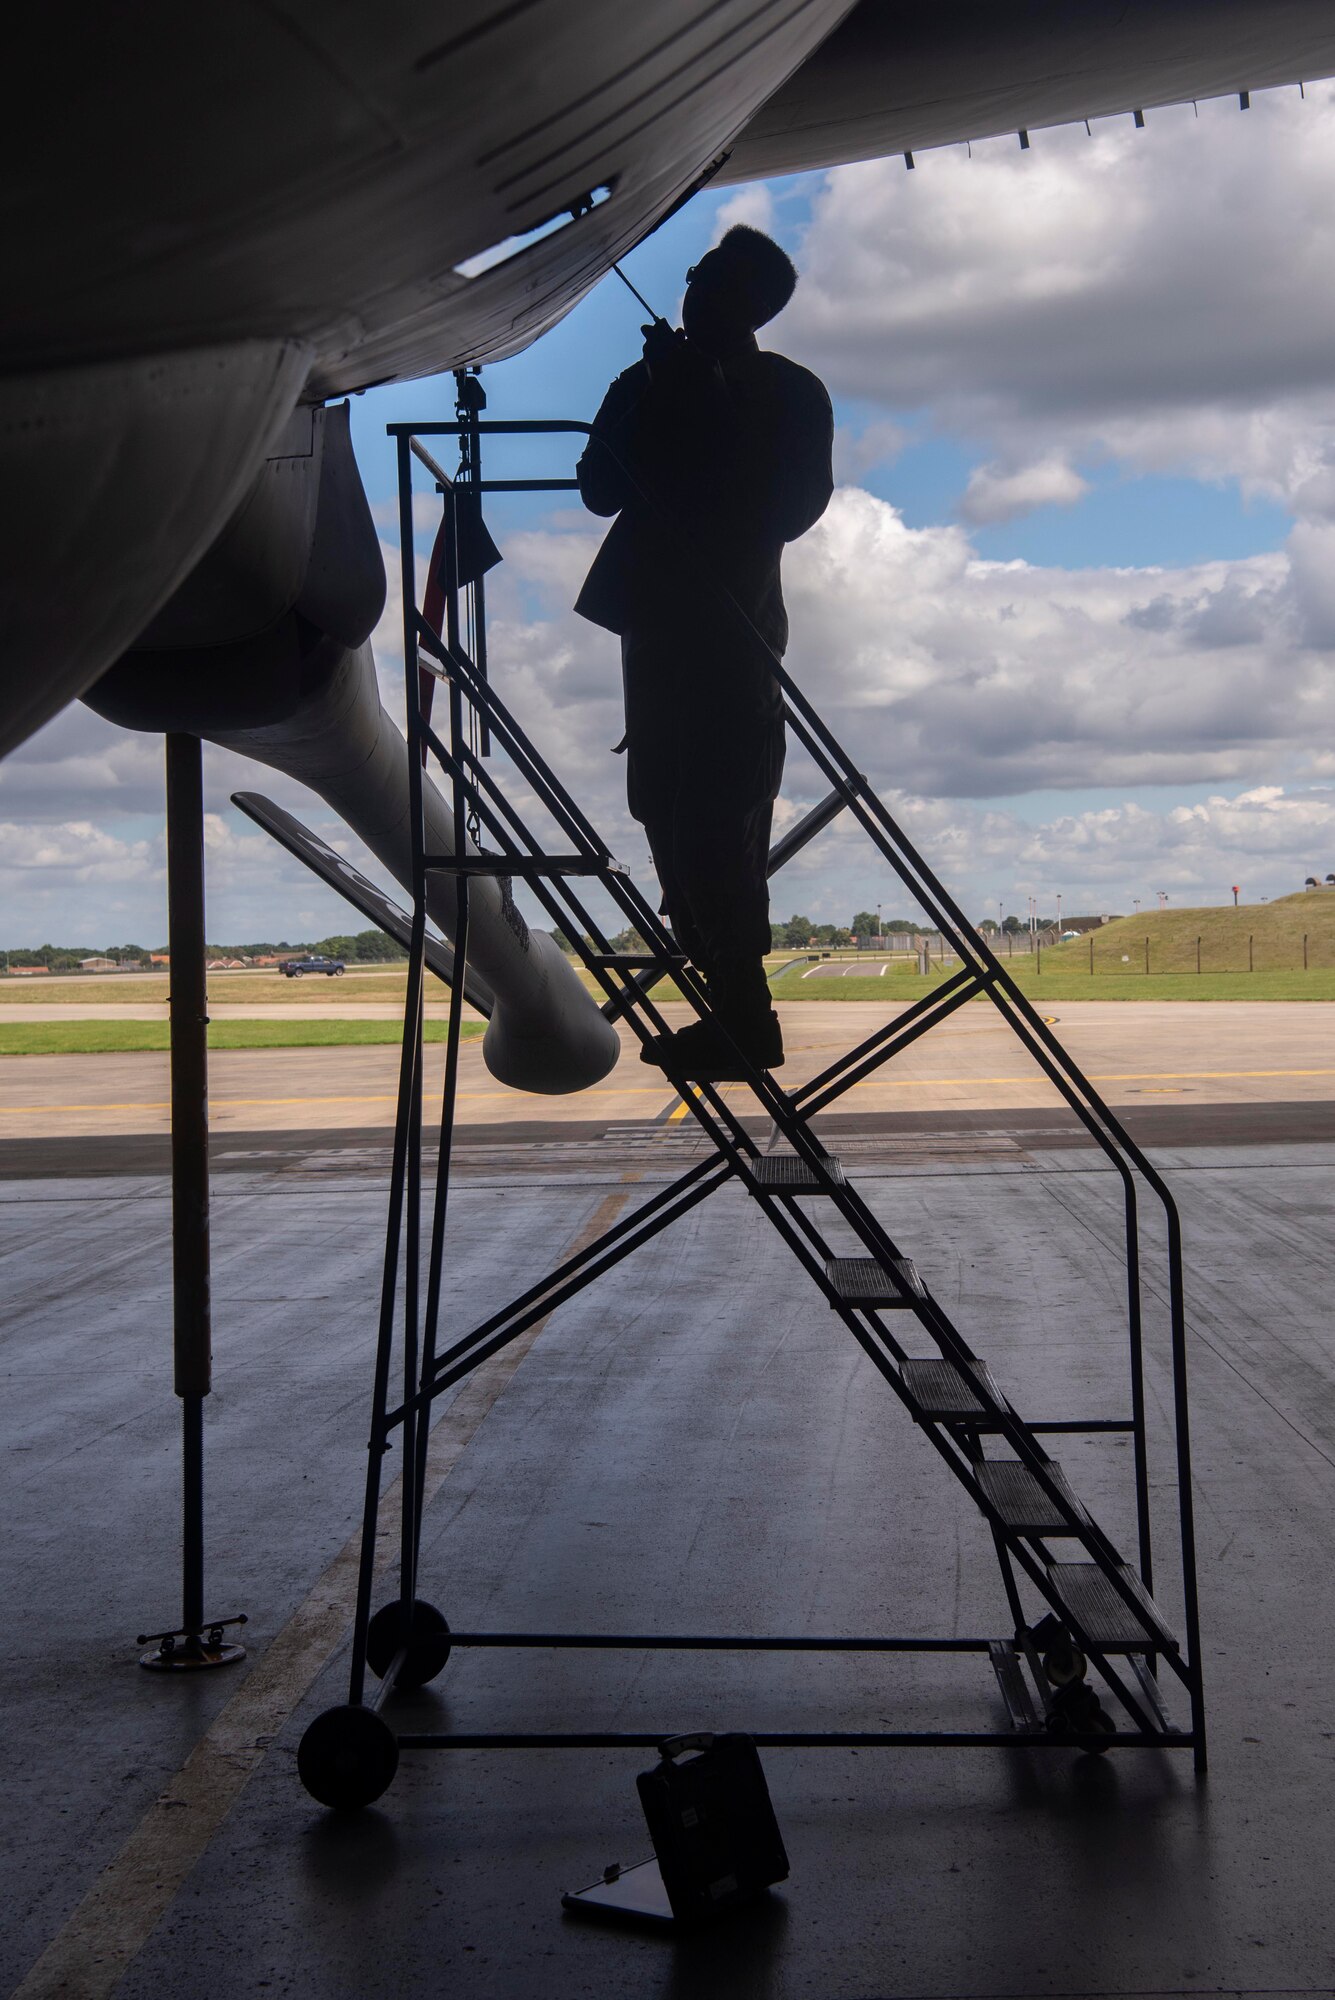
x: 871, y: 968
x: 1194, y: 1052
x: 694, y: 1444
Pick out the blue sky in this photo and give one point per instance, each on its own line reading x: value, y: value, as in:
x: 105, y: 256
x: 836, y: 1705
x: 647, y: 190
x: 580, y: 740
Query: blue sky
x: 1129, y: 516
x: 1074, y: 601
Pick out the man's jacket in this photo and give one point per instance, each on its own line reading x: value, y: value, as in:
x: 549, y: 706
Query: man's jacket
x: 732, y: 463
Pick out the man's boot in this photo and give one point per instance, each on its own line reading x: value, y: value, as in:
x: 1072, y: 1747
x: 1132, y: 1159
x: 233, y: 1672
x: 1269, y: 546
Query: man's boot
x: 742, y: 1034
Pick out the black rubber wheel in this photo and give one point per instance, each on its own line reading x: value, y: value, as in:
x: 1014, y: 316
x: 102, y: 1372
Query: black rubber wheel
x: 1078, y: 1709
x: 428, y: 1647
x: 347, y: 1758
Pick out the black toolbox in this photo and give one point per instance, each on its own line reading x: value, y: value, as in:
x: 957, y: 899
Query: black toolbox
x: 713, y: 1827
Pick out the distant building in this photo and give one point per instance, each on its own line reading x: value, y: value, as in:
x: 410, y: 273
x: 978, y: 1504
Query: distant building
x: 159, y: 958
x: 27, y: 971
x: 900, y: 941
x: 98, y: 965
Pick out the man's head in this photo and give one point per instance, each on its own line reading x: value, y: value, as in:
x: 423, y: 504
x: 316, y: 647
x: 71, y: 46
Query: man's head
x: 736, y: 287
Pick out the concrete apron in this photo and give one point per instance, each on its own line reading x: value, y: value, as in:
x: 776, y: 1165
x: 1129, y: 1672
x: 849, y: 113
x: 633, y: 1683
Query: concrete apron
x: 695, y: 1444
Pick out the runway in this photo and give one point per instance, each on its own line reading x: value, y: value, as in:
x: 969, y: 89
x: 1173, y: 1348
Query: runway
x: 1190, y: 1052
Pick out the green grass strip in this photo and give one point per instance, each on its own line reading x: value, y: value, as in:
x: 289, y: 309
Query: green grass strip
x: 1068, y: 982
x: 89, y: 1038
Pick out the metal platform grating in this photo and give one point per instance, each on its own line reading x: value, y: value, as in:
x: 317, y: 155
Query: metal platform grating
x: 1101, y: 1615
x: 789, y: 1173
x: 1021, y: 1502
x: 942, y: 1390
x: 864, y: 1281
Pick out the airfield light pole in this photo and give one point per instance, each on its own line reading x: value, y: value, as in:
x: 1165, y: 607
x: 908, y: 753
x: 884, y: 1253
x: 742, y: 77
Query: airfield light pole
x: 196, y: 1642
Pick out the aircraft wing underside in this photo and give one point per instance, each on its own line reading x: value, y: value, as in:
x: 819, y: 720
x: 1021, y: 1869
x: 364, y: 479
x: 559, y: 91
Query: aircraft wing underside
x: 221, y: 213
x: 200, y: 176
x: 902, y: 75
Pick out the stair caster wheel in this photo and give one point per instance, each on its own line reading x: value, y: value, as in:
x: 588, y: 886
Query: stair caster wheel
x: 428, y: 1643
x: 1077, y: 1708
x: 1063, y: 1661
x: 347, y: 1758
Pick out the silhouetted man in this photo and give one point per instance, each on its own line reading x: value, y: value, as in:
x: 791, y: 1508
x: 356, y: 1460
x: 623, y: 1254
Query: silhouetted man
x: 731, y: 446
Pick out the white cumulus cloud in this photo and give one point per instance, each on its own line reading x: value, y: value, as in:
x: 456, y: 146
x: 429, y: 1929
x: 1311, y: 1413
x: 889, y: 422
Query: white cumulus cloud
x: 1001, y: 493
x: 1164, y: 297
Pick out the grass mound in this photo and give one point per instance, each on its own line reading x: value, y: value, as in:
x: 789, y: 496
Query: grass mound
x: 1255, y: 938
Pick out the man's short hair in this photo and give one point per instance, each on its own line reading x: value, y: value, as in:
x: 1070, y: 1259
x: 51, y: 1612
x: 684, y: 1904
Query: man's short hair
x: 767, y: 274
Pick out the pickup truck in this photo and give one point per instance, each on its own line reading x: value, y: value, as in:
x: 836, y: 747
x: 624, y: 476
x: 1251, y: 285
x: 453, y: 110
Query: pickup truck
x: 297, y: 968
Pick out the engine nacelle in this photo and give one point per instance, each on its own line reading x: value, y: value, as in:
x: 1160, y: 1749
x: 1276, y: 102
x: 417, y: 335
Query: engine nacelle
x: 266, y: 651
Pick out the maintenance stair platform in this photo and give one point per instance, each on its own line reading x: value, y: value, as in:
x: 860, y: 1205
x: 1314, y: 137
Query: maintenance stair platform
x: 1077, y: 1605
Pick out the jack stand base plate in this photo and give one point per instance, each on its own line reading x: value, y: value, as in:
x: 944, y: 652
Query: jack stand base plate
x: 184, y: 1652
x: 188, y: 1658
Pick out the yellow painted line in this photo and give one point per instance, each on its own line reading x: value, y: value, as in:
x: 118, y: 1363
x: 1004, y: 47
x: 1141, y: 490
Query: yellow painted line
x: 675, y: 1116
x: 635, y: 1090
x: 90, y: 1955
x: 248, y: 1103
x: 1129, y: 1076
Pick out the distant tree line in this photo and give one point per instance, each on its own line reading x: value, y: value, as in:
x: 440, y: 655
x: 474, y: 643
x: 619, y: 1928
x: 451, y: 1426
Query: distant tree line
x: 67, y: 957
x: 366, y: 948
x: 801, y: 933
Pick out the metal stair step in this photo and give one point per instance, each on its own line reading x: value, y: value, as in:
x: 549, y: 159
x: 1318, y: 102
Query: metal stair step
x: 1100, y: 1614
x: 944, y: 1392
x: 789, y: 1173
x: 528, y: 867
x: 865, y: 1281
x: 636, y: 961
x: 1020, y: 1500
x: 1014, y: 1687
x: 1151, y: 1690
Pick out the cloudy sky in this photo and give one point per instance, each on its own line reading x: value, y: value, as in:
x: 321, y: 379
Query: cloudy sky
x: 1073, y: 603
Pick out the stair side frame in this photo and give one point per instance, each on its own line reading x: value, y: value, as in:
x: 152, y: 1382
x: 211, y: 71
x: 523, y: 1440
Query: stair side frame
x: 981, y: 972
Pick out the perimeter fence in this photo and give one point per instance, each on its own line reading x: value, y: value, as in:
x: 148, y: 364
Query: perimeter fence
x: 1194, y: 956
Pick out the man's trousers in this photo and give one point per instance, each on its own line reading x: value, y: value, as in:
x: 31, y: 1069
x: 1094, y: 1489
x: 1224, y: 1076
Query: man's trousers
x: 705, y: 750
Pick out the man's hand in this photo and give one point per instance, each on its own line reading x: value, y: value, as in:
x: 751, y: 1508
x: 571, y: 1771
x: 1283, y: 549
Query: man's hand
x: 674, y: 364
x: 664, y: 351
